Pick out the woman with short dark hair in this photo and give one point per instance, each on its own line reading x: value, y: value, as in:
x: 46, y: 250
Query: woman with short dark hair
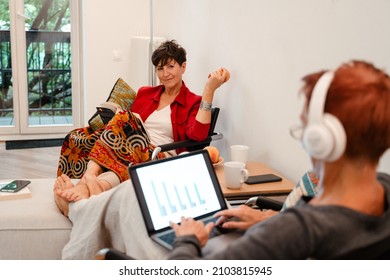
x: 170, y: 112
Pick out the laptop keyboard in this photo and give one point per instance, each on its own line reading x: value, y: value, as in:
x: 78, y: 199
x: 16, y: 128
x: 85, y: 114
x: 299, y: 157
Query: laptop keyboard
x: 214, y: 232
x: 170, y: 236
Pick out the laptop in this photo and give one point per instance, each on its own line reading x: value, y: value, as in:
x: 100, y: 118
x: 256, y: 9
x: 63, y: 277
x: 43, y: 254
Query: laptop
x: 168, y: 189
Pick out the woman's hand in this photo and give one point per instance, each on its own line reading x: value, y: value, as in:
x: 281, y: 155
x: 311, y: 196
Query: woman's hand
x: 244, y: 217
x: 217, y: 78
x: 189, y: 226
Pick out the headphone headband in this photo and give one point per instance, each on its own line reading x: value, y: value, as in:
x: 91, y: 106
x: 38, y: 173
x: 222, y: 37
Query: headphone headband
x: 318, y: 98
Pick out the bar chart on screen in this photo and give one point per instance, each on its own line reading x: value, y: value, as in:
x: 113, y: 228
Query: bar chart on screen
x: 184, y: 199
x: 169, y: 200
x: 177, y: 188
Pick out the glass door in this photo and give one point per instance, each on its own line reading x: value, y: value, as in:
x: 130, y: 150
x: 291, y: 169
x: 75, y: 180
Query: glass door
x: 39, y: 66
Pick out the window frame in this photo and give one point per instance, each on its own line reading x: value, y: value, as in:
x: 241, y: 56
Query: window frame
x: 21, y: 128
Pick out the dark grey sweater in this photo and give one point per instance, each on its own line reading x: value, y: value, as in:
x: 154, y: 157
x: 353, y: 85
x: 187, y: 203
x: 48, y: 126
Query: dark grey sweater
x: 305, y: 231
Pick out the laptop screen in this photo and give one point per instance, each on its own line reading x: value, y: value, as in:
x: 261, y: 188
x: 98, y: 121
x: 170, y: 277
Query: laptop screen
x: 170, y: 188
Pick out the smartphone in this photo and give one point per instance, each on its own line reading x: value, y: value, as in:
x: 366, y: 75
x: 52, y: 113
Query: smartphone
x: 265, y: 178
x: 15, y: 186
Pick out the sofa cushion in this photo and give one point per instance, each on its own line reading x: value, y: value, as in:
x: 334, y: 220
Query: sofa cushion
x: 33, y: 228
x: 121, y: 95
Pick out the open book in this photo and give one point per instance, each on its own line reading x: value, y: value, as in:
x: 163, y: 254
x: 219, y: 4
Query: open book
x: 142, y: 122
x: 23, y: 193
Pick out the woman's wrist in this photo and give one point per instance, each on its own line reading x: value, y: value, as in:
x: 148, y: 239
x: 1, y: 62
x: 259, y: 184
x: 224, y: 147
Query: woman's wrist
x: 206, y: 106
x: 208, y: 94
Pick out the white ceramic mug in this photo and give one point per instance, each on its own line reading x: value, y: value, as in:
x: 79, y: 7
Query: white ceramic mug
x: 239, y: 153
x: 235, y: 174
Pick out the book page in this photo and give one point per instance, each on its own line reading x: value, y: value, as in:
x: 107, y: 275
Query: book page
x: 142, y: 122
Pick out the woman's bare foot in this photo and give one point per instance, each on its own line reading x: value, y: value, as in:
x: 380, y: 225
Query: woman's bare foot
x: 80, y: 191
x: 65, y: 191
x: 88, y: 185
x: 62, y: 183
x: 65, y: 188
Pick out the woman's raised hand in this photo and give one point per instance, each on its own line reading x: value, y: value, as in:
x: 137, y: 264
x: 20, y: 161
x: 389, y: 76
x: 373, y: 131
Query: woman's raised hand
x: 223, y: 73
x: 217, y: 78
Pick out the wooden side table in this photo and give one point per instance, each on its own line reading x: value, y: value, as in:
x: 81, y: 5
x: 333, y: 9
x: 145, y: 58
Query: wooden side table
x: 281, y: 188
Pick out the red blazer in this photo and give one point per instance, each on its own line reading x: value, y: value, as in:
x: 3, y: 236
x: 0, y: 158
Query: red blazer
x: 183, y: 112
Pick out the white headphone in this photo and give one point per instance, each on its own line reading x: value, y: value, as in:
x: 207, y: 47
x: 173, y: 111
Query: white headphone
x: 324, y: 137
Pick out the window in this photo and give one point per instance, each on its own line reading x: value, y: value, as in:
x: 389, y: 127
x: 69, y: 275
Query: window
x: 39, y: 66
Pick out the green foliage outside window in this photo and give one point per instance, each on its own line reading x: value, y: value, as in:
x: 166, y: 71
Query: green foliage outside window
x: 47, y: 27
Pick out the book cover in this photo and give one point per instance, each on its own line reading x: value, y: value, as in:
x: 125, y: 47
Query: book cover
x: 23, y: 193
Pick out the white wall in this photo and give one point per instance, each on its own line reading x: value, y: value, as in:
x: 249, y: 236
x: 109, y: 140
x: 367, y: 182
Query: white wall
x: 108, y: 28
x: 267, y: 45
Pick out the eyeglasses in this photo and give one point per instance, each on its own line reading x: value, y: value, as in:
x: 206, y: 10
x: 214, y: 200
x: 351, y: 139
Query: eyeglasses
x: 296, y: 131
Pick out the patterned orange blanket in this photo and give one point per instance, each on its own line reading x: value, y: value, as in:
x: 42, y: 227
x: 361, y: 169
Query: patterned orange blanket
x: 121, y: 142
x: 113, y: 144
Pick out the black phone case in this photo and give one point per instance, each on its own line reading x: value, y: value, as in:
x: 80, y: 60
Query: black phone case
x: 265, y: 178
x: 20, y: 184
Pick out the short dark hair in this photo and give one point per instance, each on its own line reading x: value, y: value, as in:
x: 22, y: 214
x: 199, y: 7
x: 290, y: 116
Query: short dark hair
x: 359, y: 97
x: 169, y: 50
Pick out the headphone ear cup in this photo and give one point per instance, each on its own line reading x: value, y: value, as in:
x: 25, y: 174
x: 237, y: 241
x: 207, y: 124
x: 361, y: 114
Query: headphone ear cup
x: 339, y: 136
x: 317, y: 141
x: 325, y: 141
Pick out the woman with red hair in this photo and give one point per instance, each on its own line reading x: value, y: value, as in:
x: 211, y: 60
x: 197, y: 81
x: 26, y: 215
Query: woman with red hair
x: 345, y: 130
